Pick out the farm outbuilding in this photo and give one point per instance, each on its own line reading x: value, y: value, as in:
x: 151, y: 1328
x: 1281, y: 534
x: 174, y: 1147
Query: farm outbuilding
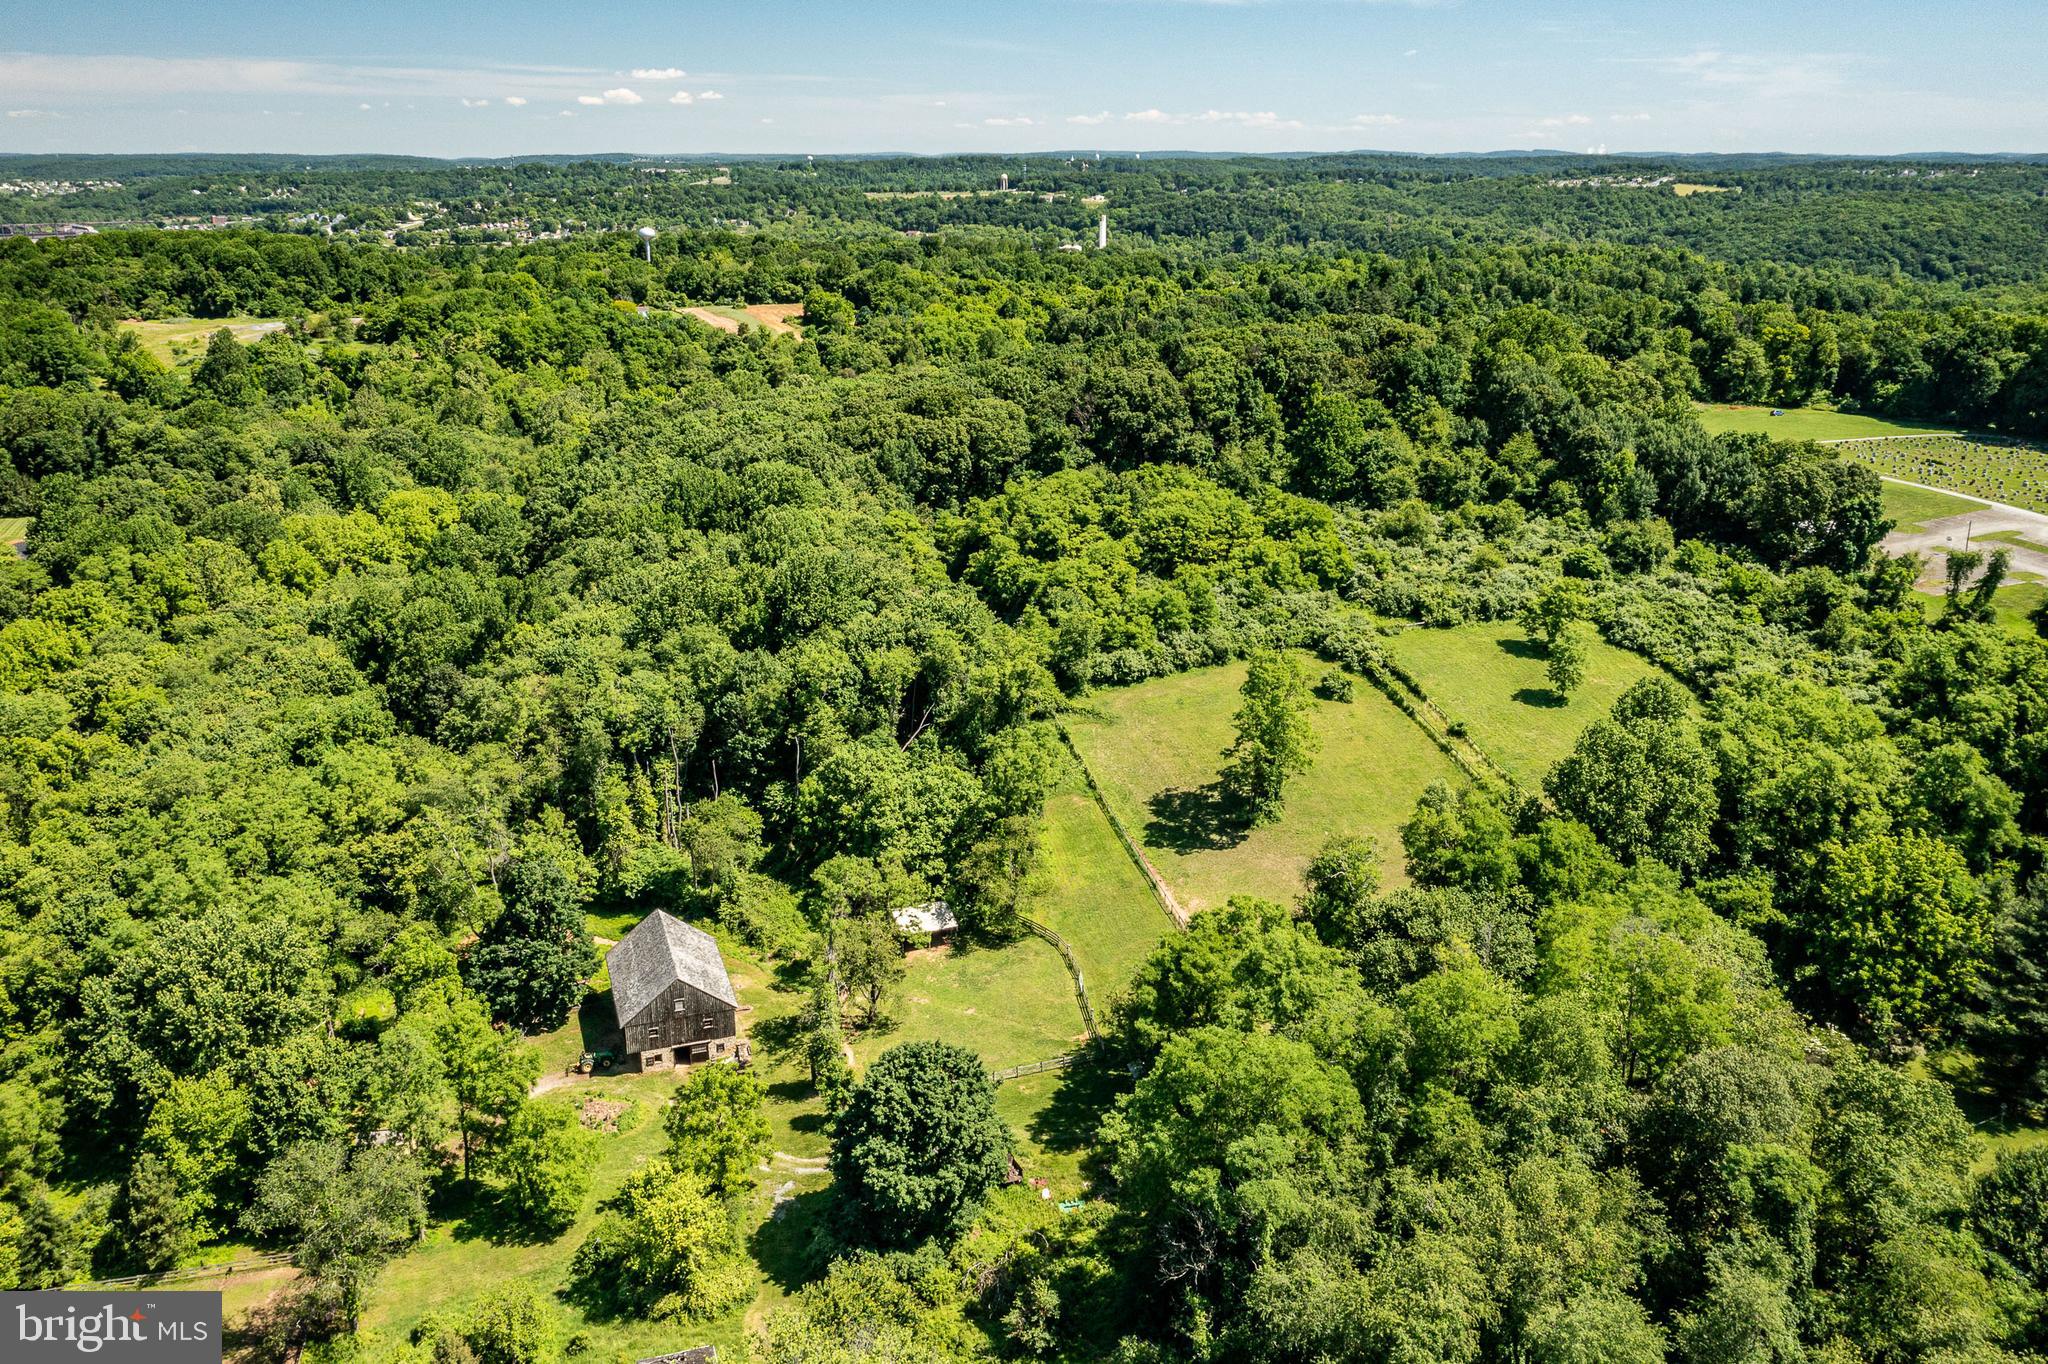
x: 934, y: 918
x: 674, y: 1000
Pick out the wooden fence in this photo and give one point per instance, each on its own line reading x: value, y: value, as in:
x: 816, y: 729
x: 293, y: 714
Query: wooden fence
x: 1073, y: 969
x: 1036, y: 1067
x: 188, y: 1273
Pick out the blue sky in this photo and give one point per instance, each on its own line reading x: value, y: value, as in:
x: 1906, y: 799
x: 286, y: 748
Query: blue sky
x: 980, y: 75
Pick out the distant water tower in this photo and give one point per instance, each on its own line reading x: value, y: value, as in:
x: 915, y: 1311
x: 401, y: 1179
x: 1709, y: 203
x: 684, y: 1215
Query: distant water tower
x: 1102, y: 233
x: 647, y: 241
x: 1003, y: 181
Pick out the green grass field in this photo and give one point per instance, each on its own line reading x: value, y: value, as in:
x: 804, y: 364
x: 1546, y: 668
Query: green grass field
x: 1912, y: 508
x: 1095, y: 897
x: 1803, y: 423
x: 180, y: 340
x: 1491, y: 678
x: 1156, y: 749
x: 2012, y: 606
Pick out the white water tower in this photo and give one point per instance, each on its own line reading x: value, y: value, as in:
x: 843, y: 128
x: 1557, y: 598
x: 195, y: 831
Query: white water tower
x: 647, y: 241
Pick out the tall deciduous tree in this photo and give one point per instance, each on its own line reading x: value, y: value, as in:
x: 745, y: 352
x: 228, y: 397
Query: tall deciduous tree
x: 718, y: 1128
x: 870, y: 960
x: 1641, y: 780
x: 1274, y: 741
x: 544, y: 1156
x: 2009, y: 1030
x: 1900, y: 930
x: 920, y: 1142
x: 531, y: 961
x: 345, y: 1212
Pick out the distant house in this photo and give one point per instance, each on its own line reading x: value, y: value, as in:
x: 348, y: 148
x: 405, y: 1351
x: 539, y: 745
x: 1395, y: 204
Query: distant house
x: 674, y: 1001
x: 935, y: 919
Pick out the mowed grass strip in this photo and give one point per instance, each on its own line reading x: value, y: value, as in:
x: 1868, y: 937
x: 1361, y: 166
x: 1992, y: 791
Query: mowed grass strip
x: 1095, y: 897
x: 1156, y: 750
x: 1912, y: 508
x: 1492, y: 678
x: 1805, y: 423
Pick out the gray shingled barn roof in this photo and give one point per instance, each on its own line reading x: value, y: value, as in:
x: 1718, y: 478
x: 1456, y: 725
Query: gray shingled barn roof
x: 660, y: 951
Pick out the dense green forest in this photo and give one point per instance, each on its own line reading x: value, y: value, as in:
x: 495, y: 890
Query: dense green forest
x: 348, y: 675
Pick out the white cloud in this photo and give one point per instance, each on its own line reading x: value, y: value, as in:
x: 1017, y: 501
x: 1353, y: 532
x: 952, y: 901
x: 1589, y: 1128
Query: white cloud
x: 1149, y: 116
x: 568, y: 113
x: 1263, y: 119
x: 767, y: 120
x: 1411, y: 52
x: 590, y: 99
x: 1089, y: 120
x: 620, y: 95
x: 1018, y: 121
x: 682, y: 97
x: 1776, y: 74
x: 32, y: 113
x: 658, y: 73
x: 1628, y: 118
x: 1563, y: 121
x: 362, y: 106
x: 1373, y: 120
x: 515, y: 100
x: 709, y: 94
x: 73, y: 76
x: 468, y: 103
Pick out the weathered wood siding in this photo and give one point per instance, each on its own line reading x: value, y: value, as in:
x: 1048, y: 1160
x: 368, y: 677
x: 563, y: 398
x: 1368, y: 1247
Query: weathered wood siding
x: 678, y: 1017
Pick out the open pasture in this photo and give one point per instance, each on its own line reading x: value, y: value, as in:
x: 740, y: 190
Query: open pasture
x: 779, y: 318
x: 1999, y: 471
x: 1156, y: 749
x: 181, y: 340
x: 1492, y: 679
x: 1803, y: 423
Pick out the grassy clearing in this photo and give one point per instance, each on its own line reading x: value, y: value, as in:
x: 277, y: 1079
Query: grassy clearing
x: 1097, y: 899
x: 2000, y: 471
x: 1008, y: 1004
x: 1912, y: 508
x: 1803, y: 423
x: 180, y: 340
x: 14, y: 529
x: 1156, y: 749
x: 1492, y: 679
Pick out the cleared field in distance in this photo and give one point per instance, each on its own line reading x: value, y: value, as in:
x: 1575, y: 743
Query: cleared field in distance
x: 1156, y: 749
x: 775, y: 317
x: 1492, y: 678
x: 180, y: 340
x: 1804, y: 423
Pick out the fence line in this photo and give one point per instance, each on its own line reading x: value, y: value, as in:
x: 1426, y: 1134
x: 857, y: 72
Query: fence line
x: 1036, y: 1067
x: 268, y: 1260
x: 1073, y: 969
x: 1162, y: 894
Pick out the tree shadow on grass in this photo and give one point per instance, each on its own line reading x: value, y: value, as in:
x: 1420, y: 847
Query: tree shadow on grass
x: 1086, y: 1091
x: 1542, y: 697
x: 1207, y: 819
x: 597, y: 1021
x: 1523, y: 648
x: 785, y: 1245
x: 475, y: 1211
x: 778, y: 1036
x: 795, y: 1092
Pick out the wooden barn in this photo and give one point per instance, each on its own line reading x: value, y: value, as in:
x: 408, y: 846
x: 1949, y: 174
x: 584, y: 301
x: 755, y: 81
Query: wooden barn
x: 674, y: 1001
